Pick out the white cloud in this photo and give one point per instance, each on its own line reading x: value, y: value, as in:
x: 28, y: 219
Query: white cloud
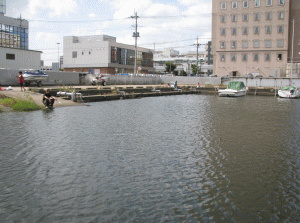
x: 92, y: 15
x: 188, y: 2
x: 126, y: 8
x: 161, y: 10
x: 55, y: 8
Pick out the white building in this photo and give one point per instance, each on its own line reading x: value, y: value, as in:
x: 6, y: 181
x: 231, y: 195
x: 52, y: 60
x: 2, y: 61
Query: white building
x: 14, y: 53
x: 183, y: 61
x: 102, y: 54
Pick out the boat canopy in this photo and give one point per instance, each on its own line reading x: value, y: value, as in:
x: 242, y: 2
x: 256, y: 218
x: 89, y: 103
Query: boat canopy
x: 288, y: 88
x: 236, y: 85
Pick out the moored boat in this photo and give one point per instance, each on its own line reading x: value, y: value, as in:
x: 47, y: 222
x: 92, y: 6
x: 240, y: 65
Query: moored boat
x: 289, y: 92
x: 34, y: 76
x: 234, y: 89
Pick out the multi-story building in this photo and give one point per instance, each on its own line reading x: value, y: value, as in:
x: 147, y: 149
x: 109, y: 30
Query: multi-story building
x: 253, y: 36
x: 14, y: 52
x: 103, y: 55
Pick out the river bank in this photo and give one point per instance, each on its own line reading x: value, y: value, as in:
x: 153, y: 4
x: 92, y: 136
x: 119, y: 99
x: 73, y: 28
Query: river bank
x: 116, y: 92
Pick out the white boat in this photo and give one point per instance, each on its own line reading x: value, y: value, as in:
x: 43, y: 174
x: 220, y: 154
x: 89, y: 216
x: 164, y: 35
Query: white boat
x: 234, y: 89
x: 34, y: 76
x: 289, y: 92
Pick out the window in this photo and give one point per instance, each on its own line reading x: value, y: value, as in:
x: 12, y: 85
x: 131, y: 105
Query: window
x: 234, y: 5
x: 245, y: 30
x: 82, y: 53
x: 280, y: 15
x: 233, y: 44
x: 234, y: 18
x: 268, y: 43
x: 10, y: 56
x: 280, y: 43
x: 269, y: 3
x: 223, y: 45
x: 267, y: 57
x: 269, y: 16
x: 268, y: 29
x: 280, y: 29
x: 245, y: 4
x: 255, y: 57
x: 244, y: 57
x: 74, y: 54
x: 257, y: 3
x: 256, y: 43
x: 280, y: 2
x: 223, y: 32
x: 245, y: 44
x: 233, y: 57
x: 223, y: 5
x: 256, y: 30
x: 222, y: 57
x: 279, y: 56
x: 233, y: 31
x: 256, y: 16
x: 223, y: 18
x: 245, y: 17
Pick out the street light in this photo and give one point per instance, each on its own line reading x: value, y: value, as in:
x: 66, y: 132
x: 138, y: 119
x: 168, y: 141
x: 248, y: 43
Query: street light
x: 58, y: 55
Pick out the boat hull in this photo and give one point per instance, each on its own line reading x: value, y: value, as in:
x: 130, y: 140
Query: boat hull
x: 232, y: 93
x: 289, y: 94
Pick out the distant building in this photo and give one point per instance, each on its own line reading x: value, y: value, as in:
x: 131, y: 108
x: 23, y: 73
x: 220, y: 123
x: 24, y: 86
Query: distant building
x: 103, y: 55
x: 182, y: 61
x: 255, y: 36
x: 14, y: 52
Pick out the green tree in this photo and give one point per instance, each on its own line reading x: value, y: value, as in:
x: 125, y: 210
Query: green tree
x: 169, y: 68
x: 194, y: 68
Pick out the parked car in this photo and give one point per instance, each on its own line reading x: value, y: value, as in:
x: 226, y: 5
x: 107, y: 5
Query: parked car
x: 212, y: 75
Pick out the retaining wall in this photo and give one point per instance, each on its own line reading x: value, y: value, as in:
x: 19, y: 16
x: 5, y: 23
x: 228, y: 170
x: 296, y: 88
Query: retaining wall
x: 266, y: 82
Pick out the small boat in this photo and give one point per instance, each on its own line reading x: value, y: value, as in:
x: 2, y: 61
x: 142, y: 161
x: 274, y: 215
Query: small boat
x: 289, y: 92
x: 34, y: 76
x: 234, y: 89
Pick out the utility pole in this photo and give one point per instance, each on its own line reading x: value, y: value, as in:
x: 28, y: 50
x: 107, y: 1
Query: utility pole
x: 197, y: 53
x: 58, y: 56
x: 153, y: 59
x: 135, y: 35
x: 292, y: 48
x: 20, y: 30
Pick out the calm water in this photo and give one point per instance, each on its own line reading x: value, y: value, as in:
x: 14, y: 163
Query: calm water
x: 183, y: 158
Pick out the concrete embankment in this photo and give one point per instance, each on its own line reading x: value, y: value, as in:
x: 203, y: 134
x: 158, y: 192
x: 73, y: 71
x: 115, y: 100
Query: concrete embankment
x: 95, y: 94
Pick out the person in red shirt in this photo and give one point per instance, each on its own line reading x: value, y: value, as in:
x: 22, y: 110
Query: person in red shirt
x: 21, y: 80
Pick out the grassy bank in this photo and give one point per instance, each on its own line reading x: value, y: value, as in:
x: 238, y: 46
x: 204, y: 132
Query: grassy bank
x: 20, y: 105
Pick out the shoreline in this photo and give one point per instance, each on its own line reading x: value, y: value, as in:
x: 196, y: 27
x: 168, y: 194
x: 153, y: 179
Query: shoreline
x: 115, y: 92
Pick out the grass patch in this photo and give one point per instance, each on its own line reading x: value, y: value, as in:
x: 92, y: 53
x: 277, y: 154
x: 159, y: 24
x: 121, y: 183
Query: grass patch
x: 20, y: 105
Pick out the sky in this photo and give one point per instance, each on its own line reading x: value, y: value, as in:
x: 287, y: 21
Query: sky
x: 163, y: 23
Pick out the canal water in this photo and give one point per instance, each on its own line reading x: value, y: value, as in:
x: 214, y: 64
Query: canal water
x: 189, y: 158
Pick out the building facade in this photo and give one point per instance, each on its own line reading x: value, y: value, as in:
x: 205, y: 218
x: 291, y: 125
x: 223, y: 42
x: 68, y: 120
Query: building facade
x: 252, y: 36
x: 14, y: 53
x: 182, y: 61
x: 103, y: 55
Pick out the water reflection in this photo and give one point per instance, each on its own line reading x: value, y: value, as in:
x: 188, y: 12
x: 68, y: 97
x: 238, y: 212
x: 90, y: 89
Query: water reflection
x: 168, y: 159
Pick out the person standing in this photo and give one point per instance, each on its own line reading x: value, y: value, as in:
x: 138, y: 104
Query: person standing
x: 175, y: 85
x: 21, y: 80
